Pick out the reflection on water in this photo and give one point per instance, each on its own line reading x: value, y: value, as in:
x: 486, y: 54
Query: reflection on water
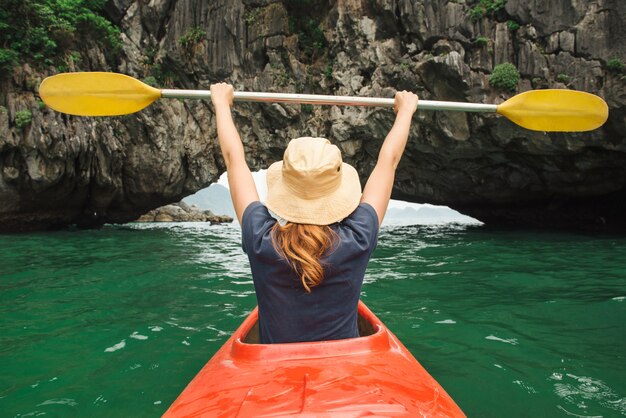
x: 116, y: 322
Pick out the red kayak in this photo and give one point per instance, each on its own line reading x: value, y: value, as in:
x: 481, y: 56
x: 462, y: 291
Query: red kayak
x: 370, y: 376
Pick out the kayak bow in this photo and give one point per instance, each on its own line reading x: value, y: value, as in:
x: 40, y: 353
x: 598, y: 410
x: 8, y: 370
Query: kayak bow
x: 373, y: 375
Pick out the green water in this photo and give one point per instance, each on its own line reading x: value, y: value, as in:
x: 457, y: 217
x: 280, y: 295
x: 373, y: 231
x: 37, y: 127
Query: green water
x: 116, y: 322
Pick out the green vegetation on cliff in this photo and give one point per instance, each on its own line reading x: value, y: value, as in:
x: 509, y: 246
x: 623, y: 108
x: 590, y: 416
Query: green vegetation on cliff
x: 504, y: 76
x: 23, y: 118
x: 192, y: 37
x: 311, y: 39
x: 481, y: 41
x: 48, y: 32
x: 305, y: 21
x: 485, y: 8
x: 512, y: 25
x: 615, y: 64
x: 562, y: 78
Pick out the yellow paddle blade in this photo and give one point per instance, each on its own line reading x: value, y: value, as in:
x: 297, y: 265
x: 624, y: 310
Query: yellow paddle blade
x: 96, y: 94
x: 556, y: 110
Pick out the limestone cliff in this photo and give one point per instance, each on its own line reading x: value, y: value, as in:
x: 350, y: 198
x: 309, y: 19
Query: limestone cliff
x: 61, y: 169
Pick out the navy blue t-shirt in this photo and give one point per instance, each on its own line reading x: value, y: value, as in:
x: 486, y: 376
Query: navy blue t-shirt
x: 287, y: 313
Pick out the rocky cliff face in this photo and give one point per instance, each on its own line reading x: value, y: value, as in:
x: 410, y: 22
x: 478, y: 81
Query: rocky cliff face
x: 61, y: 169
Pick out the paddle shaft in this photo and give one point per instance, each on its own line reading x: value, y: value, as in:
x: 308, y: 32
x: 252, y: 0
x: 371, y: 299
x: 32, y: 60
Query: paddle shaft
x: 318, y: 99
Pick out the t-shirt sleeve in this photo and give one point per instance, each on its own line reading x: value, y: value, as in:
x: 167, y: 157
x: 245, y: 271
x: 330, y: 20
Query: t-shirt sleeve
x: 364, y: 222
x: 255, y: 222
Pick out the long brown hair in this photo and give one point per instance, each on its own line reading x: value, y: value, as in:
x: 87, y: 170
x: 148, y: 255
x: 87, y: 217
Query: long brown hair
x: 302, y: 245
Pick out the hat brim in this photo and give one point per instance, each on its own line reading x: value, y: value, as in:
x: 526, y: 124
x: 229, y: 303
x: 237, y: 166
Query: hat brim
x: 325, y: 210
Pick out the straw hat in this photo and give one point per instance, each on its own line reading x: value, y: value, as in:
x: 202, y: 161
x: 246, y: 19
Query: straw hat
x: 312, y: 185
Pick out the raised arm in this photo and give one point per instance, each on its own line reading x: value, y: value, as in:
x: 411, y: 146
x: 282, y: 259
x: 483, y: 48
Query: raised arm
x: 242, y: 188
x: 377, y: 191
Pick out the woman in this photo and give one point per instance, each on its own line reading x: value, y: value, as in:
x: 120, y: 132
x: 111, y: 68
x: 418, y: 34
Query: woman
x: 310, y: 243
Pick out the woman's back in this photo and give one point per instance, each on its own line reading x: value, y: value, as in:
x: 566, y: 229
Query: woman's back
x: 287, y: 313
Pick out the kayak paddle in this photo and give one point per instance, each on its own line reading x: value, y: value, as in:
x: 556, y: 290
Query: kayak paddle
x: 111, y: 94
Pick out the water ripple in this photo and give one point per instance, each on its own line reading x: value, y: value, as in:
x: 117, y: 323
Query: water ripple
x: 577, y: 390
